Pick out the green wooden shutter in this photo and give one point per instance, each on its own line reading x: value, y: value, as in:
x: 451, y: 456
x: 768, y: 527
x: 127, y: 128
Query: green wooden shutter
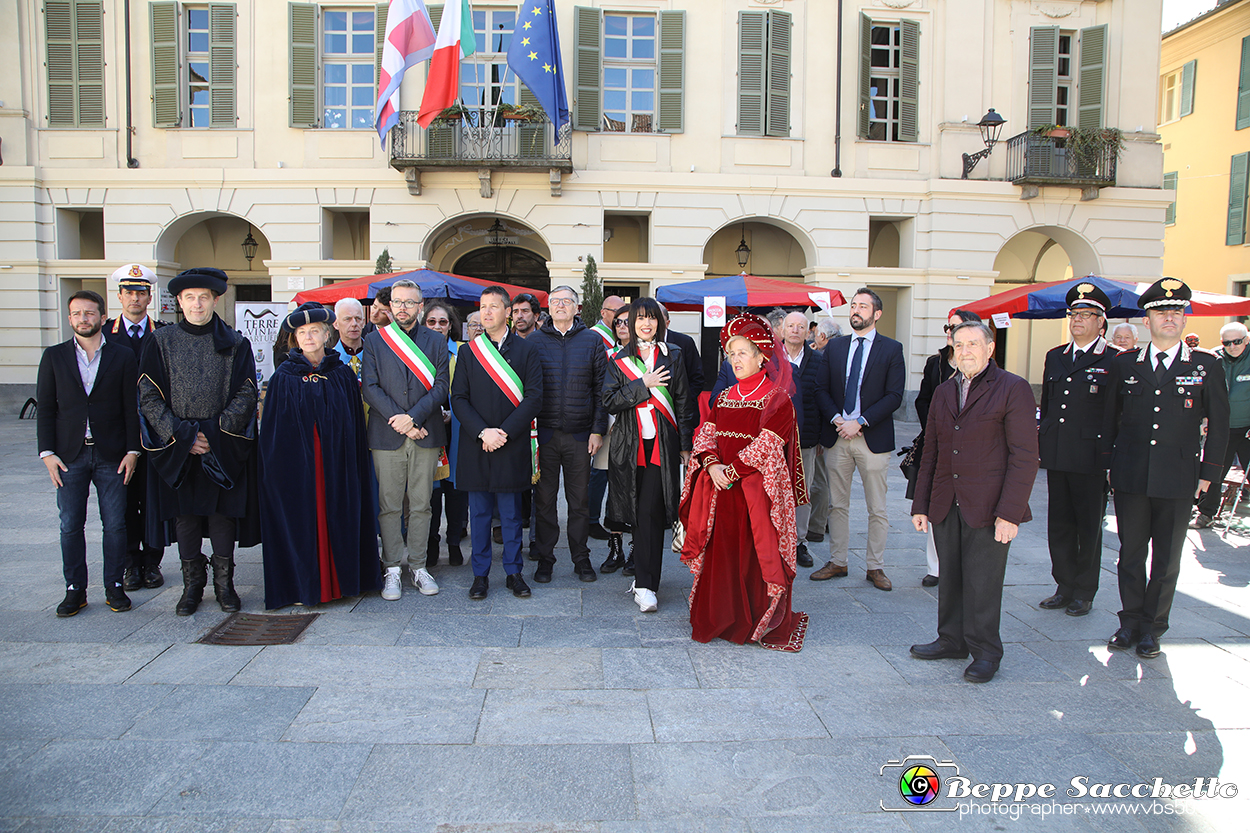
x: 1187, y: 87
x: 303, y: 18
x: 74, y: 31
x: 909, y: 81
x: 379, y: 39
x: 1043, y: 78
x: 1243, y: 86
x: 777, y: 101
x: 864, y: 117
x: 1169, y: 184
x: 436, y: 15
x: 670, y: 109
x: 751, y: 73
x: 531, y: 135
x: 165, y: 109
x: 1092, y: 80
x: 587, y: 68
x: 222, y: 101
x: 1236, y: 234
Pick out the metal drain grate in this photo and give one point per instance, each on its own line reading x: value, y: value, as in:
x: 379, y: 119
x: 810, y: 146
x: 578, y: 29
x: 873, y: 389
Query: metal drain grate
x: 250, y: 629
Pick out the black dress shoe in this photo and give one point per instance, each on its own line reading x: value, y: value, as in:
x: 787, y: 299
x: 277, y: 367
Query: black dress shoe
x: 938, y: 650
x: 152, y: 577
x: 454, y: 556
x: 802, y: 557
x: 1123, y: 639
x: 480, y: 585
x: 815, y: 537
x: 132, y: 578
x: 1148, y: 647
x: 117, y: 600
x: 542, y: 573
x: 75, y: 600
x: 1054, y: 602
x: 980, y: 671
x: 598, y: 532
x: 518, y: 586
x: 584, y: 571
x: 929, y: 581
x: 1078, y: 607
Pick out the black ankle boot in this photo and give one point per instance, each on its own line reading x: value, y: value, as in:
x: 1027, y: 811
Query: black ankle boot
x: 616, y: 556
x: 223, y: 584
x: 194, y: 577
x: 628, y: 569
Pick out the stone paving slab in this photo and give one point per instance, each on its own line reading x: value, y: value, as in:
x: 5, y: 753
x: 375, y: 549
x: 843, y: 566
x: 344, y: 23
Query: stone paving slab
x: 74, y: 711
x: 371, y: 715
x: 518, y: 717
x: 225, y: 712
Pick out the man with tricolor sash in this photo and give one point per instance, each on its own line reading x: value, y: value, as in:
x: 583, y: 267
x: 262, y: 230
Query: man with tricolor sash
x: 497, y: 395
x: 405, y: 384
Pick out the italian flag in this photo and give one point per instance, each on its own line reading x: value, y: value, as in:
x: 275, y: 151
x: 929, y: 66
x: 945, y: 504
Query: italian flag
x: 455, y: 41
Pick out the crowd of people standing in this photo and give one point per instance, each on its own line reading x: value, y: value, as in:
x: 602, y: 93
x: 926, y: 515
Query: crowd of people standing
x: 377, y: 424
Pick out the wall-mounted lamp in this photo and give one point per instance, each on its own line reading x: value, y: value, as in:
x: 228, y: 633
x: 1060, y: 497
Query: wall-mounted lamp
x: 249, y: 248
x: 990, y: 125
x: 495, y: 234
x: 743, y: 251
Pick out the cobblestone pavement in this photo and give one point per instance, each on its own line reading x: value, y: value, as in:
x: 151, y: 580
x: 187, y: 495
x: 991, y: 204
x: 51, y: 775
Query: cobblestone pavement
x: 571, y: 711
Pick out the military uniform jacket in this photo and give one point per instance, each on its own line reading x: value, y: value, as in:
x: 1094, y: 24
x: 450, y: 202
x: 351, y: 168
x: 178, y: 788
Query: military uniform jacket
x: 1075, y: 401
x: 117, y: 331
x: 1156, y: 423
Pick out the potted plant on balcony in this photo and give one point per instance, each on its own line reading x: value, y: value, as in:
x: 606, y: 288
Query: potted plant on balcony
x: 455, y: 112
x: 520, y: 112
x: 1079, y: 151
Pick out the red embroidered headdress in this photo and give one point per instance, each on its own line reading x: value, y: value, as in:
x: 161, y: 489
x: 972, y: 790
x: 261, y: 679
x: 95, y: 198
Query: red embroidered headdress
x: 753, y: 328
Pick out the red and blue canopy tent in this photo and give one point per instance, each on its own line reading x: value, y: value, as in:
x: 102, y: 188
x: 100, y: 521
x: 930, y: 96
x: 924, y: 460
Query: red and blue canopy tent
x: 459, y: 289
x: 744, y: 291
x: 1049, y: 300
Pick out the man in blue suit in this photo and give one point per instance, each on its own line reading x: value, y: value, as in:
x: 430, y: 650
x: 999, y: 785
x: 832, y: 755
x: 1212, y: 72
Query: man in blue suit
x: 860, y: 389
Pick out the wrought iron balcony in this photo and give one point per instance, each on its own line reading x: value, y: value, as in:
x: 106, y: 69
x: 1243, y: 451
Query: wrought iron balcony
x: 1034, y: 160
x: 480, y: 137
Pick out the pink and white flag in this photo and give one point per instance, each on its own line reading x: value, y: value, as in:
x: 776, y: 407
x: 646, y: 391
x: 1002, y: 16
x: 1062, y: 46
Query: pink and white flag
x: 409, y: 41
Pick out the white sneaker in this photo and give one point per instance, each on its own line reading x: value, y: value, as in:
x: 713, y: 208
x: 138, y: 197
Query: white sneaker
x: 644, y: 598
x: 390, y: 585
x: 425, y: 582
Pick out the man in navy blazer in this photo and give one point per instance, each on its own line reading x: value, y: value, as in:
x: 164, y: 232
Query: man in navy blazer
x: 88, y: 433
x: 860, y: 389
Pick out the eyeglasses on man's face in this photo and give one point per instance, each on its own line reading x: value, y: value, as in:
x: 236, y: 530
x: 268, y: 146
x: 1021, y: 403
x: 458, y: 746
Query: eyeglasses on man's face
x: 405, y: 304
x: 1082, y: 315
x: 561, y: 302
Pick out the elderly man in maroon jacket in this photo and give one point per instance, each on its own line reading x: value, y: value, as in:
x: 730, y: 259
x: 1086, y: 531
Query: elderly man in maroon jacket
x: 980, y: 460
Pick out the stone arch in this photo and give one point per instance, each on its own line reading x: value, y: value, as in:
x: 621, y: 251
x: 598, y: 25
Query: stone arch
x: 457, y: 236
x: 779, y: 249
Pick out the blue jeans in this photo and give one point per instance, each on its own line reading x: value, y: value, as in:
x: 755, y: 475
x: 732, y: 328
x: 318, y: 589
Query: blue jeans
x: 481, y: 506
x: 71, y: 499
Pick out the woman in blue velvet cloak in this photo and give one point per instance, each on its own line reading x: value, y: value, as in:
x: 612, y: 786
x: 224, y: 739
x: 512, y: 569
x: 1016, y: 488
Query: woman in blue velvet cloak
x: 317, y: 520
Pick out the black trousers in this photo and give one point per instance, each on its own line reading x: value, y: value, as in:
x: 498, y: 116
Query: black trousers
x: 1156, y: 527
x: 1078, y: 503
x: 221, y: 534
x: 457, y: 503
x: 649, y: 526
x: 138, y: 553
x: 1238, y: 448
x: 971, y: 567
x: 567, y: 452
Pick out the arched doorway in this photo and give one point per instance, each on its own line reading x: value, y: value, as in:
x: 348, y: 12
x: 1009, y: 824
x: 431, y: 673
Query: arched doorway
x: 505, y: 264
x: 1038, y: 255
x: 216, y: 239
x: 774, y: 252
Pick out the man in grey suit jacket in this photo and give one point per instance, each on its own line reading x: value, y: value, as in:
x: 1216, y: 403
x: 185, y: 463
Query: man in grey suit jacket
x: 405, y: 382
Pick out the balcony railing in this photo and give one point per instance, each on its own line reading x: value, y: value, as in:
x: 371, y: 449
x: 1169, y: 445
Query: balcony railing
x: 481, y: 138
x: 1047, y: 160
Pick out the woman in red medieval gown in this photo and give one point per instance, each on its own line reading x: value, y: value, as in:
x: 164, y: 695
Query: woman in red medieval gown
x: 742, y: 485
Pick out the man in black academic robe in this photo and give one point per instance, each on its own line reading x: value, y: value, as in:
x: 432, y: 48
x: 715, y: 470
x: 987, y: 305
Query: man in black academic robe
x: 197, y: 409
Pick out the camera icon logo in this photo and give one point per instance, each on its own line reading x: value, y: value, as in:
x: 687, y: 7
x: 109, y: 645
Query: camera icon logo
x: 919, y: 782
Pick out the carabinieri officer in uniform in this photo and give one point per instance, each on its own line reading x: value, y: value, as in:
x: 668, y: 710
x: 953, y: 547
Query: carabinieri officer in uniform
x: 1075, y: 399
x: 1163, y: 391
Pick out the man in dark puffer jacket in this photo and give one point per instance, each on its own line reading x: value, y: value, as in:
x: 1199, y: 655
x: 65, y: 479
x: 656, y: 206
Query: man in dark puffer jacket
x: 806, y: 368
x: 571, y: 426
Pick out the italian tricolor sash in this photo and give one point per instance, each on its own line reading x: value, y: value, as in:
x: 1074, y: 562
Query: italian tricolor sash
x: 633, y: 368
x: 506, y: 379
x: 605, y: 333
x: 408, y: 353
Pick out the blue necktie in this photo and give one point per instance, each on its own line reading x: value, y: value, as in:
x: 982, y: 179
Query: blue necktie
x: 852, y: 381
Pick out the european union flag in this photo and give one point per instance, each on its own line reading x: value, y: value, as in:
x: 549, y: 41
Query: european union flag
x: 534, y: 56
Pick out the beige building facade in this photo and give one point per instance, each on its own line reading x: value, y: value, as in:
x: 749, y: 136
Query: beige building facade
x: 829, y: 136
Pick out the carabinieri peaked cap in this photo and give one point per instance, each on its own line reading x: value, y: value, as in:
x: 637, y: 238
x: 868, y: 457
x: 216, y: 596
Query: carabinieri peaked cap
x: 1166, y: 293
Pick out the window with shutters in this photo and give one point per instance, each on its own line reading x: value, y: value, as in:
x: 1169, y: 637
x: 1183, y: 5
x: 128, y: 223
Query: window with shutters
x: 629, y: 71
x: 1176, y: 94
x: 629, y: 55
x: 193, y: 65
x: 347, y: 51
x: 1243, y: 86
x: 1169, y: 184
x: 75, y: 62
x: 1067, y: 76
x: 1237, y: 191
x: 889, y: 84
x: 764, y: 73
x: 485, y: 80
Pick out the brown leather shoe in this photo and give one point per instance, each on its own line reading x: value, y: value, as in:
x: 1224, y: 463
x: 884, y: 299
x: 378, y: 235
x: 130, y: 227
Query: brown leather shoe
x: 879, y: 580
x: 830, y: 570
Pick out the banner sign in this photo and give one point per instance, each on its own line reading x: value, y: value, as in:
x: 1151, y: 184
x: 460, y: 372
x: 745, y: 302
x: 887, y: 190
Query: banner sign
x: 260, y: 323
x: 714, y: 311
